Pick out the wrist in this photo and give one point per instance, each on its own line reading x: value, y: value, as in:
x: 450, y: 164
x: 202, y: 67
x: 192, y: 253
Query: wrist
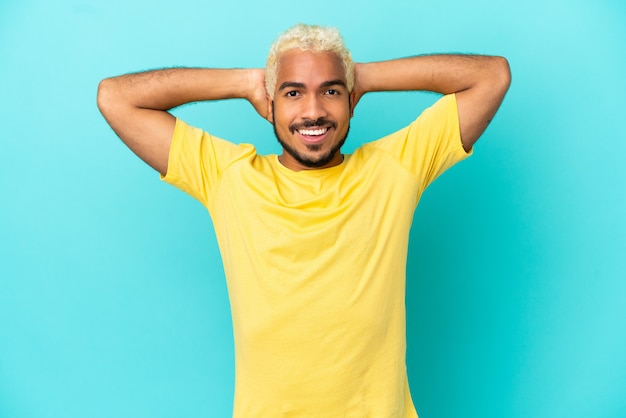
x: 254, y: 79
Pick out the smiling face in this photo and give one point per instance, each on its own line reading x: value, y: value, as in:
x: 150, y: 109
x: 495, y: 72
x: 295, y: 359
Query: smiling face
x: 311, y: 109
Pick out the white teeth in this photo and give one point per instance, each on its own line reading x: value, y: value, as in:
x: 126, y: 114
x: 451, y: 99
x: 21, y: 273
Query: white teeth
x: 313, y: 132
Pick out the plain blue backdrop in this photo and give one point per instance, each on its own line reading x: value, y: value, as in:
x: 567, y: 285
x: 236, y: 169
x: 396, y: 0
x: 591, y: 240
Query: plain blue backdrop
x: 112, y: 296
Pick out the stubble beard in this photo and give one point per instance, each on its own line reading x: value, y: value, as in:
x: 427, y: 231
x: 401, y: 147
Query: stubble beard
x: 305, y: 160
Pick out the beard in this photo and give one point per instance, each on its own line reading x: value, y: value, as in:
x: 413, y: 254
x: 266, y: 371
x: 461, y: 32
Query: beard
x: 306, y: 160
x: 312, y: 161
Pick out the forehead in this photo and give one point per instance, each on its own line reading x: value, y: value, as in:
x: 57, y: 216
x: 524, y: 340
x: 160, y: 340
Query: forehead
x: 309, y: 67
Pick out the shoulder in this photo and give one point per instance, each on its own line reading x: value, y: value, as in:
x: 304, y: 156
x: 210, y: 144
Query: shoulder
x: 195, y: 153
x: 440, y: 116
x: 188, y: 138
x: 426, y: 146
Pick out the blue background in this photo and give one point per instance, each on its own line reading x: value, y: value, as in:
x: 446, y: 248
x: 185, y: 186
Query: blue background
x: 112, y: 297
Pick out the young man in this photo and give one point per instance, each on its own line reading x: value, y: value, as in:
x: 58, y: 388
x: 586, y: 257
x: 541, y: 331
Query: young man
x: 314, y: 242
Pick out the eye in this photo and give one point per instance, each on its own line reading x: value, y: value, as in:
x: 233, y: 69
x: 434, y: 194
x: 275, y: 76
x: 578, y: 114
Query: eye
x: 292, y: 93
x: 331, y: 92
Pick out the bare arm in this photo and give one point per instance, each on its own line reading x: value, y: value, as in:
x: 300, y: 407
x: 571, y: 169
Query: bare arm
x: 480, y: 83
x: 136, y: 105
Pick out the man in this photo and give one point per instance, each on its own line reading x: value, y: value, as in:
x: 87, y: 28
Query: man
x: 314, y: 242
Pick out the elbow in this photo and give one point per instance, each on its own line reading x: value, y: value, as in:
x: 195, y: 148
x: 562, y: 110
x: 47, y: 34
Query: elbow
x: 103, y: 98
x: 110, y: 97
x: 501, y: 72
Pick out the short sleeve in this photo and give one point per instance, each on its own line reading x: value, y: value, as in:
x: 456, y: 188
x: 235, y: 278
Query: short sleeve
x: 197, y: 161
x: 429, y: 145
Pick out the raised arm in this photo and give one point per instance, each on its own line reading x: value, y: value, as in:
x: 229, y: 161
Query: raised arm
x: 136, y: 105
x: 480, y: 83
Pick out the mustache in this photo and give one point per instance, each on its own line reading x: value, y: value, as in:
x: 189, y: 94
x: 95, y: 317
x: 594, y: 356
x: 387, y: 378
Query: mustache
x: 310, y: 123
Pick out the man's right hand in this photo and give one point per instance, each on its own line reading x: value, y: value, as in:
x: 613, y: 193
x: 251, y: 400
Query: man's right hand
x: 257, y: 94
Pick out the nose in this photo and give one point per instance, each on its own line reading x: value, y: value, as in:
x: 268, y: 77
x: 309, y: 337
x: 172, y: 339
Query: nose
x: 313, y: 108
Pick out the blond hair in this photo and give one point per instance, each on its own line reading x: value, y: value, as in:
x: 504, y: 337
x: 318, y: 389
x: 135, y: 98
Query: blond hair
x: 311, y: 38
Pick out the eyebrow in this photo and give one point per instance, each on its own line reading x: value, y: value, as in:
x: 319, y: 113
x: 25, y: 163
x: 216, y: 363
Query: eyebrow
x: 292, y: 84
x: 337, y: 82
x: 297, y: 85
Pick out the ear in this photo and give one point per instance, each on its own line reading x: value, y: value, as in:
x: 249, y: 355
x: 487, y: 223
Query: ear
x: 270, y: 109
x: 352, y: 102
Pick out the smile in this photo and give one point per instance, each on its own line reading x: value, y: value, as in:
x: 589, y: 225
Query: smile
x: 312, y: 132
x: 313, y: 136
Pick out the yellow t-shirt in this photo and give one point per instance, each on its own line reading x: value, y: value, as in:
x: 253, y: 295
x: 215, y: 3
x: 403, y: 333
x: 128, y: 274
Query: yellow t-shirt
x: 315, y: 264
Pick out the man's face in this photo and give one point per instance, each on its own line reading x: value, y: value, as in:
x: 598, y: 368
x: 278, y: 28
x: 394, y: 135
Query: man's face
x: 311, y: 109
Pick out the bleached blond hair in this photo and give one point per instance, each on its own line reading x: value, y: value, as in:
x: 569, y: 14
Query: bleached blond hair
x: 311, y: 38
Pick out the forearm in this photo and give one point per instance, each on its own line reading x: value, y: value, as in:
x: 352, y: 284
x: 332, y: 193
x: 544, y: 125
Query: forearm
x: 480, y: 83
x: 136, y: 105
x: 168, y: 88
x: 439, y: 73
